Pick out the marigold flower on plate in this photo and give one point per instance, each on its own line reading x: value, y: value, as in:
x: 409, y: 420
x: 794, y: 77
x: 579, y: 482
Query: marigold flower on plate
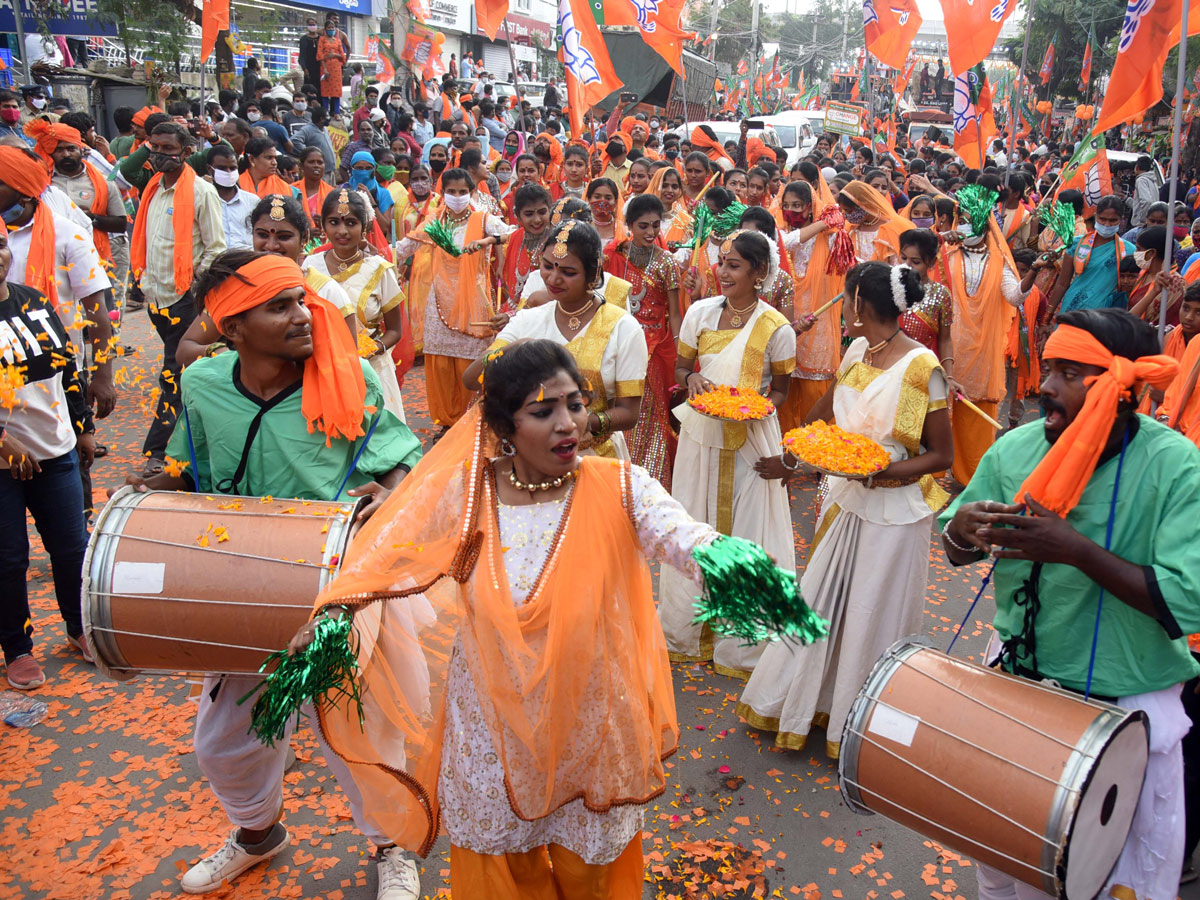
x: 366, y: 345
x: 836, y: 451
x: 724, y: 402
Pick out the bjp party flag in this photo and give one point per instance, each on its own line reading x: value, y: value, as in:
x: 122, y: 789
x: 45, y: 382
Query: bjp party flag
x: 889, y: 27
x: 972, y: 27
x: 590, y: 75
x: 657, y: 20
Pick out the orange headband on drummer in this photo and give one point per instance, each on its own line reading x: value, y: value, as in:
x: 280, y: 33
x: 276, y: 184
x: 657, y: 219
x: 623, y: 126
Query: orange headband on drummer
x: 1059, y: 479
x: 334, y: 390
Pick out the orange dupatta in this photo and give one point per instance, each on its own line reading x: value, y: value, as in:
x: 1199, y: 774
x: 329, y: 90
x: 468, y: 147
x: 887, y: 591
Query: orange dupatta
x: 272, y: 184
x: 460, y: 285
x: 711, y: 148
x: 1058, y: 480
x: 334, y: 390
x: 1025, y: 358
x: 819, y: 350
x: 30, y: 178
x: 981, y: 320
x: 181, y: 223
x: 427, y: 583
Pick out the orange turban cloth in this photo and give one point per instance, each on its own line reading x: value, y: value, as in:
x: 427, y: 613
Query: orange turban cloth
x: 49, y: 135
x: 140, y: 117
x: 1059, y: 479
x: 334, y: 389
x: 756, y: 150
x: 27, y: 175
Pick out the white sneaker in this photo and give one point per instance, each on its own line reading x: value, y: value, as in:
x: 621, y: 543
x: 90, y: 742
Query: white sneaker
x: 398, y: 879
x: 227, y: 864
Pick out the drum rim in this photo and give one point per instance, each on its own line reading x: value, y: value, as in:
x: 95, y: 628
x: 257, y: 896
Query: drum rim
x: 864, y: 703
x: 1114, y: 722
x: 124, y: 501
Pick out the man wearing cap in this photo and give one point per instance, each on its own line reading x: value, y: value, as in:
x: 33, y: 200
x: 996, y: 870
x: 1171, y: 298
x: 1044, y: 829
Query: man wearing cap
x: 1093, y: 516
x: 293, y: 389
x: 34, y: 96
x: 177, y: 234
x: 371, y: 103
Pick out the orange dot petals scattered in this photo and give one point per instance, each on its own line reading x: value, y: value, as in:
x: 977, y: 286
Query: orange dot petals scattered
x: 830, y: 449
x: 724, y: 402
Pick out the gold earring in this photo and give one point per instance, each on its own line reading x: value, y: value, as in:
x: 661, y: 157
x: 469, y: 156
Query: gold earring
x: 857, y: 314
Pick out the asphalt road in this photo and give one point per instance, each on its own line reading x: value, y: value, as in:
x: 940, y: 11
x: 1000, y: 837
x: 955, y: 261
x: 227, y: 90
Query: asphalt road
x: 104, y: 798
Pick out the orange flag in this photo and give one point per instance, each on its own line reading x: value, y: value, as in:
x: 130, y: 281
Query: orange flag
x: 972, y: 27
x: 214, y: 17
x: 1148, y: 33
x: 890, y: 26
x: 658, y: 21
x: 589, y: 71
x: 974, y: 124
x: 489, y: 14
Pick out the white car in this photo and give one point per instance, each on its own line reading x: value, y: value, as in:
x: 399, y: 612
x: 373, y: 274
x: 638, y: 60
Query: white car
x: 732, y: 131
x: 798, y: 130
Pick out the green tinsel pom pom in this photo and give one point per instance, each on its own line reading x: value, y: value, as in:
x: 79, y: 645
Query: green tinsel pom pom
x: 708, y: 224
x: 975, y: 205
x: 324, y: 669
x: 443, y: 237
x: 749, y: 597
x: 1059, y: 218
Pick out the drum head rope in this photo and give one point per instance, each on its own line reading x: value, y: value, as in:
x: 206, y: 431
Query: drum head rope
x: 1112, y: 512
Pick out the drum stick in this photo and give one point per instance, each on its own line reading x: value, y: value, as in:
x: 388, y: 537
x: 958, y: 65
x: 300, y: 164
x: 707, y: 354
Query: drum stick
x: 975, y: 409
x: 825, y: 308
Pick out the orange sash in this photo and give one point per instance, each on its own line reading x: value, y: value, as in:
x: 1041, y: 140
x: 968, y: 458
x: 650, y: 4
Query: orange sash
x: 981, y: 325
x: 272, y: 184
x: 460, y: 285
x: 181, y: 222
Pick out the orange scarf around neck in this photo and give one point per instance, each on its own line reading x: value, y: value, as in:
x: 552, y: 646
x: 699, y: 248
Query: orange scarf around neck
x: 182, y: 215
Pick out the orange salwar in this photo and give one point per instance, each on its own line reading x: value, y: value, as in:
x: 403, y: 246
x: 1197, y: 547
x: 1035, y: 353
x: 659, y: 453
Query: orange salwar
x: 444, y: 390
x: 545, y: 873
x: 803, y: 394
x: 972, y: 436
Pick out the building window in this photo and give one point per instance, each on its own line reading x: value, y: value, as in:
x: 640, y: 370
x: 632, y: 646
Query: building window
x: 524, y: 5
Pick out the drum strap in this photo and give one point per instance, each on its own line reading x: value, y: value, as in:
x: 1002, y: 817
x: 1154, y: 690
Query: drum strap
x: 234, y: 485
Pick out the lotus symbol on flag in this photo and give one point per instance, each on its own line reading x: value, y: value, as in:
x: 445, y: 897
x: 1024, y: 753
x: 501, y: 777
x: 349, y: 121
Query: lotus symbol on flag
x: 645, y: 9
x: 964, y: 110
x: 1133, y: 18
x: 1000, y: 10
x: 575, y: 56
x: 870, y: 17
x: 901, y: 15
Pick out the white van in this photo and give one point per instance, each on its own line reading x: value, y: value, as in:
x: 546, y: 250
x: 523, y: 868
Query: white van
x: 798, y: 130
x: 732, y: 131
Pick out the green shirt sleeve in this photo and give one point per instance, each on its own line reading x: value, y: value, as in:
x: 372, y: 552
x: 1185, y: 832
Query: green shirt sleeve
x: 985, y: 485
x: 1173, y: 575
x: 133, y: 168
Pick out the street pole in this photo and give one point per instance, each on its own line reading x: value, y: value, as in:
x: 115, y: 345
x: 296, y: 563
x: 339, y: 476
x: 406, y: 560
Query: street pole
x: 1176, y: 130
x: 21, y: 45
x: 1014, y: 116
x: 753, y: 43
x: 512, y: 60
x: 845, y: 28
x: 712, y: 30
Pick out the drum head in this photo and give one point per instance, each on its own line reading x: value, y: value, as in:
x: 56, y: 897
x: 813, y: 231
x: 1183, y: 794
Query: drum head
x: 1105, y: 811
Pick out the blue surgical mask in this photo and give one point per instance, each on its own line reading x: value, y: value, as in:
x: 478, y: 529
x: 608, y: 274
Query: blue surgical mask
x: 13, y: 213
x: 922, y: 221
x: 1107, y: 231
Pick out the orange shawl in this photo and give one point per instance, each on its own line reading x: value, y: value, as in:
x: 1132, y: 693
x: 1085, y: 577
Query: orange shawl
x: 181, y: 223
x: 272, y: 184
x: 28, y: 177
x: 48, y: 136
x: 1058, y: 480
x: 553, y: 173
x: 334, y: 389
x: 1183, y: 417
x: 879, y: 207
x: 711, y: 148
x: 426, y: 575
x: 981, y: 320
x: 461, y: 285
x: 324, y: 189
x: 1025, y: 358
x: 819, y: 350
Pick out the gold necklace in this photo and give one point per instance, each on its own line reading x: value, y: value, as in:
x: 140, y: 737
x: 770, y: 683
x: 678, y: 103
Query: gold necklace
x: 542, y: 486
x: 460, y: 218
x: 573, y: 320
x: 344, y: 264
x: 871, y: 351
x: 736, y: 319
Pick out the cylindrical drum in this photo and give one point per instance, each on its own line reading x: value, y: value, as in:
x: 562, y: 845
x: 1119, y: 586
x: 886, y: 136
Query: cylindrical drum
x: 205, y: 583
x: 1029, y: 779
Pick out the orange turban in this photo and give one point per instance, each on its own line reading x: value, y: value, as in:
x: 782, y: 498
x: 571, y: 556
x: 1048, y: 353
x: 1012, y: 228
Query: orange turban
x: 140, y: 117
x: 1058, y: 480
x: 334, y: 389
x: 712, y: 148
x: 756, y: 150
x: 49, y: 135
x: 26, y: 175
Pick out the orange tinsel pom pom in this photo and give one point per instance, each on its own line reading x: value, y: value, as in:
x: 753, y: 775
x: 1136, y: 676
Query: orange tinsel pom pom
x: 831, y: 449
x: 724, y: 402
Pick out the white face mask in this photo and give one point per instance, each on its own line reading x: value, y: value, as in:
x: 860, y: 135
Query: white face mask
x: 397, y: 102
x: 457, y: 203
x: 1142, y: 258
x: 253, y: 115
x: 38, y: 102
x: 300, y: 106
x: 965, y: 230
x: 504, y: 177
x: 225, y: 178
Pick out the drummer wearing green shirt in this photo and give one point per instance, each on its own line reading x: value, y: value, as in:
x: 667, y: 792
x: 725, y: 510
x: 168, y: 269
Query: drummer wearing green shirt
x: 291, y: 412
x: 1097, y: 507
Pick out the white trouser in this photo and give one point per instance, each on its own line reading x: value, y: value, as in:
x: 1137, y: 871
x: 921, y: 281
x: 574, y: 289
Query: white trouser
x: 247, y: 775
x: 1150, y: 862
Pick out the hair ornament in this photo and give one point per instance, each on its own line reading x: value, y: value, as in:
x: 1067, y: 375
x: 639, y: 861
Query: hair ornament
x: 343, y: 207
x: 276, y: 208
x: 560, y: 242
x: 898, y: 296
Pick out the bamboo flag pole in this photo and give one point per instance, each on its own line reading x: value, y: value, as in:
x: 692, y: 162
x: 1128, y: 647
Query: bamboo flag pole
x: 975, y: 409
x: 1176, y: 127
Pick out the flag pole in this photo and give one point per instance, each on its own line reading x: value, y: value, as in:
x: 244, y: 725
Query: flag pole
x: 1172, y: 190
x: 1012, y: 119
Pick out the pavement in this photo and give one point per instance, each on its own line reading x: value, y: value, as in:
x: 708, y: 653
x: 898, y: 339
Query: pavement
x: 104, y: 798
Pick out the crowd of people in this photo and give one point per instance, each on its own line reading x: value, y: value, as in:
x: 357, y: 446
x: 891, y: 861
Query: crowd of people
x: 563, y: 296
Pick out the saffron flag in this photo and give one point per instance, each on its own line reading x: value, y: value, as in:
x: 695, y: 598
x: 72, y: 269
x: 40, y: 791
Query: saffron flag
x: 890, y: 26
x: 1085, y: 71
x: 489, y: 15
x: 742, y: 67
x: 589, y: 71
x: 972, y: 27
x: 658, y: 21
x: 1087, y: 172
x: 418, y: 48
x: 1047, y: 68
x: 1151, y: 28
x: 974, y: 124
x: 419, y: 9
x: 214, y: 18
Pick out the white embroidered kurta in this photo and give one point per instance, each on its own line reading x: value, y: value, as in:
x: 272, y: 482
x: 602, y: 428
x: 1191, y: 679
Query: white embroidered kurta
x: 474, y: 802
